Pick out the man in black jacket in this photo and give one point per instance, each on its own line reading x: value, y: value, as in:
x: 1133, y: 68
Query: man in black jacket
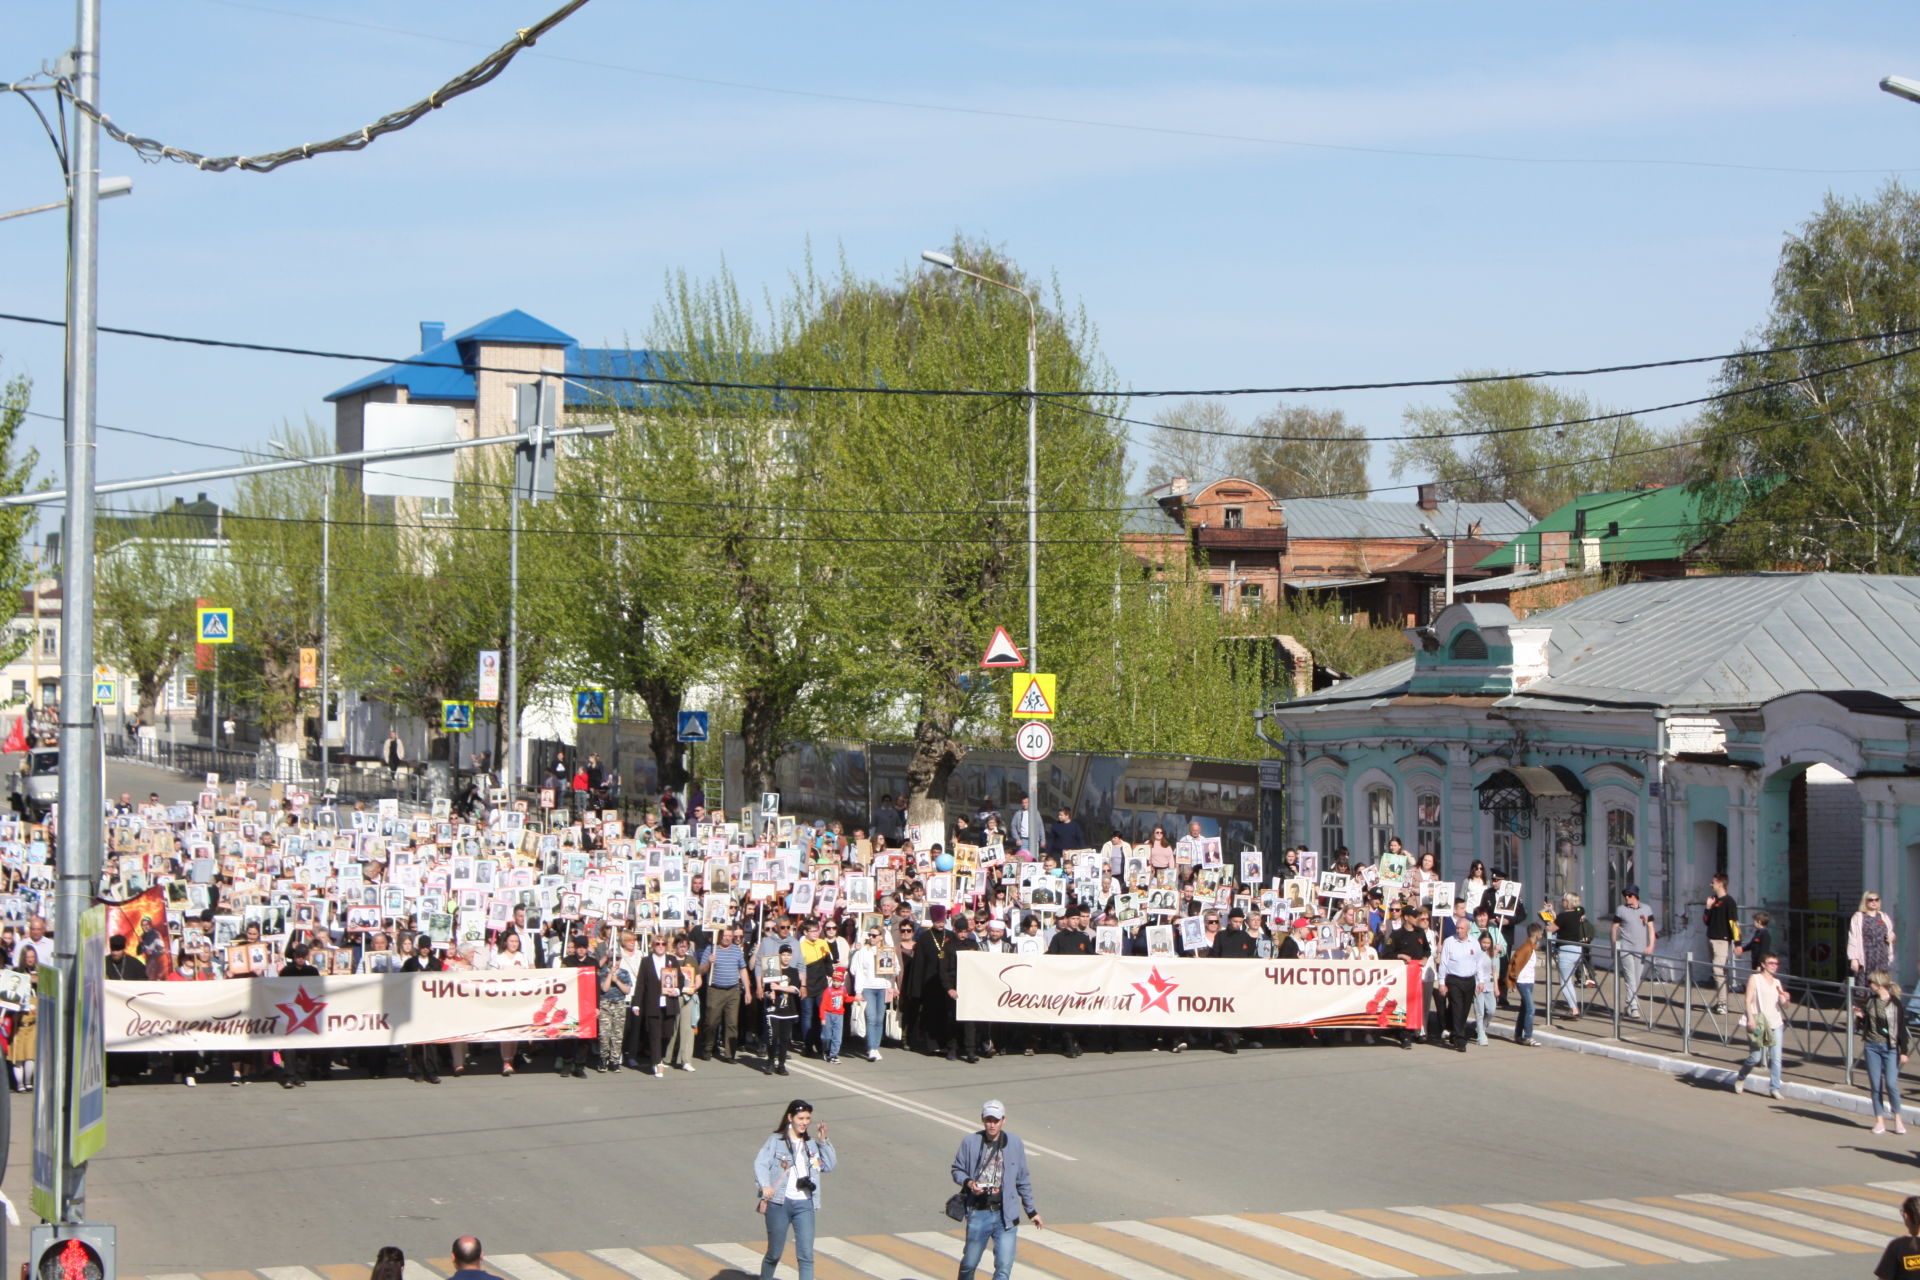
x: 423, y: 1059
x: 1409, y: 942
x: 1072, y: 939
x: 293, y: 1062
x: 963, y: 1038
x: 579, y: 956
x: 122, y: 966
x: 1064, y: 834
x: 1234, y: 943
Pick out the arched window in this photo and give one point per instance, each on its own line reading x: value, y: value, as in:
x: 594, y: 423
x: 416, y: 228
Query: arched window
x: 1623, y: 866
x: 1380, y: 828
x: 1333, y: 823
x: 1471, y: 646
x: 1426, y: 816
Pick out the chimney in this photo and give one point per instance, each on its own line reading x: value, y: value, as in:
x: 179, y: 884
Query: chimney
x: 432, y: 333
x: 1297, y: 661
x: 1429, y: 497
x: 1553, y: 551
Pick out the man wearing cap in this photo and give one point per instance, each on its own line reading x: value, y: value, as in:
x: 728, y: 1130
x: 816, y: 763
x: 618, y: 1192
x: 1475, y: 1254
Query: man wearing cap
x: 1633, y: 938
x: 1001, y: 1037
x: 991, y: 1171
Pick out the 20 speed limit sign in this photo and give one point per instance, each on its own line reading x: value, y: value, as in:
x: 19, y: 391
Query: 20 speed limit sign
x: 1034, y: 741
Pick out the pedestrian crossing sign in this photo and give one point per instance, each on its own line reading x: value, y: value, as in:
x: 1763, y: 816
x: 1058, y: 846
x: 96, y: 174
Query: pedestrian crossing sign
x: 216, y: 626
x: 589, y: 706
x: 456, y: 717
x: 105, y: 692
x: 1033, y: 696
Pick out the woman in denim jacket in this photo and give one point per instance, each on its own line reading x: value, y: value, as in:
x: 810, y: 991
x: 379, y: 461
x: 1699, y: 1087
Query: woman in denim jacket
x: 788, y: 1171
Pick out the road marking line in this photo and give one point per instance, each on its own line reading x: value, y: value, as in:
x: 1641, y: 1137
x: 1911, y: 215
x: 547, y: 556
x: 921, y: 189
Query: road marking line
x: 1889, y: 1201
x: 861, y: 1258
x: 638, y: 1265
x: 1435, y: 1233
x: 1791, y: 1218
x: 581, y: 1266
x: 1710, y: 1227
x: 1228, y: 1260
x: 413, y: 1269
x: 1870, y: 1210
x: 289, y: 1273
x: 1513, y: 1239
x: 874, y: 1094
x: 1307, y: 1246
x: 343, y: 1271
x: 523, y: 1266
x: 952, y: 1249
x: 1610, y: 1232
x: 1105, y: 1259
x: 1903, y: 1188
x: 1445, y: 1255
x: 1586, y: 1238
x: 175, y: 1275
x: 743, y: 1259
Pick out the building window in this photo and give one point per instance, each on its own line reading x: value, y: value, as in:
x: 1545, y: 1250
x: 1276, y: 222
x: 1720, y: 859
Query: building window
x: 1622, y: 848
x: 19, y: 691
x: 1380, y: 828
x: 49, y: 643
x: 1233, y: 518
x: 1426, y: 816
x: 1503, y: 852
x: 1218, y: 591
x: 436, y: 508
x: 1333, y: 824
x: 1250, y: 595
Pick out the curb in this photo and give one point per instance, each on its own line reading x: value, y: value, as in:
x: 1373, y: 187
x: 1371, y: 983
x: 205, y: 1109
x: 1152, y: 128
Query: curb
x: 1688, y: 1069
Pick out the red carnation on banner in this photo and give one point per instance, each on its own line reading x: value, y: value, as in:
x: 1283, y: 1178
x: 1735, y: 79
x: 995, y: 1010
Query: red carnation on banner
x: 17, y: 739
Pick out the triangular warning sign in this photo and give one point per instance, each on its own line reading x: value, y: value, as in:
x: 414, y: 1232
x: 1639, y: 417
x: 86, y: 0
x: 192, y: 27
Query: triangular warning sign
x: 1033, y: 702
x: 1001, y: 651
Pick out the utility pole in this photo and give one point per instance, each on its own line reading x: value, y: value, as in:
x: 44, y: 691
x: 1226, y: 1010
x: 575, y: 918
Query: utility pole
x: 77, y: 847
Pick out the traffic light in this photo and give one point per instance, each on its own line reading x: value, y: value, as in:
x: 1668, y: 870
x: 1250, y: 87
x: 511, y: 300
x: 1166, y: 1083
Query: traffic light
x: 83, y: 1251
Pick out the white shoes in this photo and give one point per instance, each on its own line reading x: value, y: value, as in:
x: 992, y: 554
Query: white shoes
x: 1739, y: 1085
x: 873, y: 1055
x: 686, y: 1066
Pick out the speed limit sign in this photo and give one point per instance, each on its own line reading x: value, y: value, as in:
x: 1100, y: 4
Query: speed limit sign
x: 1034, y: 741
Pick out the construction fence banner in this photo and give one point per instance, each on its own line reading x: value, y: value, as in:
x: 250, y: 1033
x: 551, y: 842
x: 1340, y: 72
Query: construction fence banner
x: 1178, y: 993
x: 346, y: 1011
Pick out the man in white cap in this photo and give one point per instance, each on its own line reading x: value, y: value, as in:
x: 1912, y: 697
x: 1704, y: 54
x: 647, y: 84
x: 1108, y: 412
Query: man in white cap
x: 991, y: 1171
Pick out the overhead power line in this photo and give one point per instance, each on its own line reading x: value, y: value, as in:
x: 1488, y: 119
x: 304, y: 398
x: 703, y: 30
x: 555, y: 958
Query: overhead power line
x: 466, y: 82
x: 1004, y: 394
x: 1206, y: 135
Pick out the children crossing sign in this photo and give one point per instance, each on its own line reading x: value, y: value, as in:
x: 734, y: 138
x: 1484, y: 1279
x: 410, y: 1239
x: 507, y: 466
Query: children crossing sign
x: 1033, y: 696
x: 216, y: 626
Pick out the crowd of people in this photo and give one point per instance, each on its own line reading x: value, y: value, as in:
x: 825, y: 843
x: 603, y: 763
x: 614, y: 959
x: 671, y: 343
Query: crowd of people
x: 775, y: 938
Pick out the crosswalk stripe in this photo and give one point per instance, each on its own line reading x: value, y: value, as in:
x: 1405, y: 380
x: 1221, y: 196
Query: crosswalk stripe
x: 951, y: 1248
x: 1097, y: 1255
x: 412, y: 1269
x: 343, y: 1271
x: 522, y: 1266
x: 174, y: 1275
x: 636, y: 1264
x: 1445, y: 1255
x: 684, y: 1261
x: 1902, y: 1188
x: 1791, y: 1218
x: 1253, y: 1247
x: 289, y: 1273
x: 1342, y: 1234
x: 861, y: 1258
x: 1709, y: 1227
x: 1228, y: 1260
x: 1307, y: 1246
x: 1587, y: 1236
x: 1878, y: 1195
x: 1770, y: 1222
x: 1853, y: 1204
x: 1502, y: 1235
x: 1435, y: 1233
x: 743, y: 1259
x: 581, y: 1266
x: 914, y: 1255
x: 1854, y: 1211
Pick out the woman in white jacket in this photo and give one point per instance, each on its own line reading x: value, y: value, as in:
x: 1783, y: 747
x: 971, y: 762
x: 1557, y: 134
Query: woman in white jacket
x: 872, y: 989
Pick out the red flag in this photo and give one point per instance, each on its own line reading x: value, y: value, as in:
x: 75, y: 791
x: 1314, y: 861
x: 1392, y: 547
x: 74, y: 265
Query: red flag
x: 16, y: 740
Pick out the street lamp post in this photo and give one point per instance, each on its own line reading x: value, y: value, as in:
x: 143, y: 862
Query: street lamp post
x: 946, y: 261
x: 1901, y: 87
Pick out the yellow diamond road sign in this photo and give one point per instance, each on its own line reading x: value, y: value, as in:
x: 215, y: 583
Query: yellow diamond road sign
x: 1033, y: 697
x: 216, y: 626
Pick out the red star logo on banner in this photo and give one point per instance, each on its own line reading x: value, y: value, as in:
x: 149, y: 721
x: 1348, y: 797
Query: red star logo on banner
x: 1155, y: 991
x: 304, y: 1013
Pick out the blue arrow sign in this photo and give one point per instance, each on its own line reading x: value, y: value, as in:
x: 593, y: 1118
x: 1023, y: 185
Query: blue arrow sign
x: 693, y: 726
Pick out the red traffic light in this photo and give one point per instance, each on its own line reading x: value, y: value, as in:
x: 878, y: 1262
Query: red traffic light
x: 71, y: 1260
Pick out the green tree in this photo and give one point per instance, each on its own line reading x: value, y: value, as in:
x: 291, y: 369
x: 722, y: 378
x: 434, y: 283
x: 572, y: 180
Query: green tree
x: 149, y: 573
x: 920, y: 592
x: 1830, y: 460
x: 1503, y: 459
x: 1309, y: 453
x: 16, y: 523
x: 269, y: 575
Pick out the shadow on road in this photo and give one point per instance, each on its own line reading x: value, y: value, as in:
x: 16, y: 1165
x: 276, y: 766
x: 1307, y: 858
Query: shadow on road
x: 1893, y: 1156
x: 1829, y: 1117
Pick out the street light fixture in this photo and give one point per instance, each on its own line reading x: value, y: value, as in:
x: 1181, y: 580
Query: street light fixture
x: 947, y: 262
x: 1901, y: 87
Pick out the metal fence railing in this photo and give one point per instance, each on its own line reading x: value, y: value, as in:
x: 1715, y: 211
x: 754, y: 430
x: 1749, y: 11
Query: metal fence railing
x: 1666, y: 1003
x: 351, y: 780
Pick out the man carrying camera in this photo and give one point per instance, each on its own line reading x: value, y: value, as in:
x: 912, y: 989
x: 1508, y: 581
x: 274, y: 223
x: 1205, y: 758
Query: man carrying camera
x: 991, y: 1171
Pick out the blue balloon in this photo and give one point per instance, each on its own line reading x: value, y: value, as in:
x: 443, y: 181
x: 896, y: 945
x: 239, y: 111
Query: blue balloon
x: 944, y: 862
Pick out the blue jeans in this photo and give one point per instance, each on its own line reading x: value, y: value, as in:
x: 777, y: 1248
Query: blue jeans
x: 1772, y: 1055
x: 809, y: 1015
x: 876, y: 1017
x: 1523, y: 1027
x: 1883, y: 1079
x: 1567, y: 959
x: 984, y: 1225
x: 781, y: 1214
x: 1483, y: 1002
x: 831, y: 1026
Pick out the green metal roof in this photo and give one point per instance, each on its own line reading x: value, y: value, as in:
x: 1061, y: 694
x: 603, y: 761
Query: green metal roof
x: 1631, y: 524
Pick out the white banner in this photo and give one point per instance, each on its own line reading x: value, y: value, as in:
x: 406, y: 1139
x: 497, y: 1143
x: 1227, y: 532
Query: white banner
x: 365, y: 1009
x: 489, y: 675
x: 1175, y: 993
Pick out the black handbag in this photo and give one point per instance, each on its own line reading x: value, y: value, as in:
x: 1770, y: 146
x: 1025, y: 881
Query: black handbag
x: 957, y: 1202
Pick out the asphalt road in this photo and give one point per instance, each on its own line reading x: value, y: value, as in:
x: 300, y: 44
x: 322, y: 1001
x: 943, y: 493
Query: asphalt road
x: 220, y: 1177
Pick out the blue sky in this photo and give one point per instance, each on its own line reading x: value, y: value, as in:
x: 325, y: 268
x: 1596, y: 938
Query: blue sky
x: 607, y: 157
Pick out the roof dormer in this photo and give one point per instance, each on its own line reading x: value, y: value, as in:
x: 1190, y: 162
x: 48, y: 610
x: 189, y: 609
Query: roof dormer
x: 1477, y: 649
